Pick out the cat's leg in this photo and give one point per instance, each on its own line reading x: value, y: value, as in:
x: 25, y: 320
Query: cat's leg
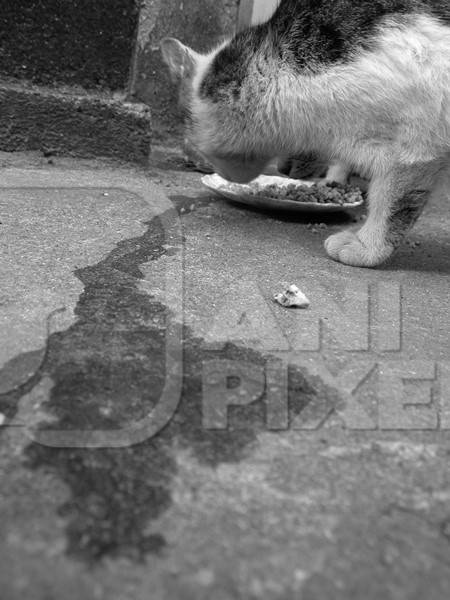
x: 338, y: 172
x: 310, y: 166
x: 302, y: 166
x: 396, y: 200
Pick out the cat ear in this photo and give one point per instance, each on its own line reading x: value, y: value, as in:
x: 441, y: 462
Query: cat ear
x: 179, y: 58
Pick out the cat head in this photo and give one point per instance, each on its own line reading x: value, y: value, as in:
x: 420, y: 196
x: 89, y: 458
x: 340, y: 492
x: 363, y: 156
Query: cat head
x: 216, y: 114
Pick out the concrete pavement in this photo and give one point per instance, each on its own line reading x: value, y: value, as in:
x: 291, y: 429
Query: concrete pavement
x: 170, y: 432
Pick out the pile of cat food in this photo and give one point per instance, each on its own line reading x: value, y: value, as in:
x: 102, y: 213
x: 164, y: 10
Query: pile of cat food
x: 332, y: 193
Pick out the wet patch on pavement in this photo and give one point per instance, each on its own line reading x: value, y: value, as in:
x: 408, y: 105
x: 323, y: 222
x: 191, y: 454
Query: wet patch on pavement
x: 109, y: 368
x: 19, y: 370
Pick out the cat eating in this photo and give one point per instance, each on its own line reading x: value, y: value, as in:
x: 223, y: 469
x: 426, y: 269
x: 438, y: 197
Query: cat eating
x: 365, y: 85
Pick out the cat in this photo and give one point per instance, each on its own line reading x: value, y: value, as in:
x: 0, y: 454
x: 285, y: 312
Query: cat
x: 365, y: 83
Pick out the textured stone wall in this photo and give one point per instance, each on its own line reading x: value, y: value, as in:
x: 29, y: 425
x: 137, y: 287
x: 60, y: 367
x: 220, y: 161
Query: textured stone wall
x: 33, y: 118
x: 75, y: 42
x: 107, y: 45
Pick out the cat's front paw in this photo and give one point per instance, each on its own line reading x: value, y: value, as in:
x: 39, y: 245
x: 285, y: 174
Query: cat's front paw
x: 346, y: 247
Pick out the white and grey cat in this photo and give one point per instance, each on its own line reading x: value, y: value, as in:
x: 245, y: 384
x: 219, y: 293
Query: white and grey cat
x: 365, y: 83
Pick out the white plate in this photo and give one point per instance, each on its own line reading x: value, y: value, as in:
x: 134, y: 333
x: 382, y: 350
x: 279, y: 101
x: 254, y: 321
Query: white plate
x: 242, y: 193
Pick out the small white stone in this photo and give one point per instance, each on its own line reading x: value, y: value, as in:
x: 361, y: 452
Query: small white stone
x: 292, y: 297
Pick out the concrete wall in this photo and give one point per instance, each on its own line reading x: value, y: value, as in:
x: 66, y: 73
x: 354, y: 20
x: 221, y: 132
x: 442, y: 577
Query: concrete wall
x: 83, y: 42
x: 199, y: 23
x: 88, y: 125
x: 104, y: 46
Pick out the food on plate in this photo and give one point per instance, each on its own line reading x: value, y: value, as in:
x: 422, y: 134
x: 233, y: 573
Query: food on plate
x: 331, y: 193
x: 285, y: 189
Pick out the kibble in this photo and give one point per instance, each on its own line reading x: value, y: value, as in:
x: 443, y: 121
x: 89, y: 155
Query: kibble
x: 332, y: 193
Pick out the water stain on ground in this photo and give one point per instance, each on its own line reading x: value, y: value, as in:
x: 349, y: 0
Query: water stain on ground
x: 109, y: 368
